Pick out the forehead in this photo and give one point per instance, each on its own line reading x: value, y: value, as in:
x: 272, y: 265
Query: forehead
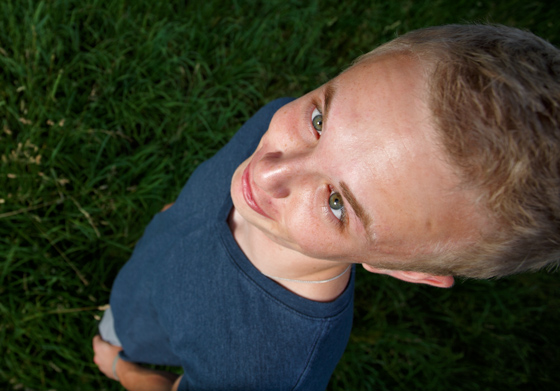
x: 389, y: 153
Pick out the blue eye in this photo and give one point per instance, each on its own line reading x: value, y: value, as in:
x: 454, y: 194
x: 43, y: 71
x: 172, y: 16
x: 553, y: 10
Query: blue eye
x: 317, y: 121
x: 335, y: 203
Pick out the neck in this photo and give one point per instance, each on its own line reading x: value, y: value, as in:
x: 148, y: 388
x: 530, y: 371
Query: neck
x: 273, y: 259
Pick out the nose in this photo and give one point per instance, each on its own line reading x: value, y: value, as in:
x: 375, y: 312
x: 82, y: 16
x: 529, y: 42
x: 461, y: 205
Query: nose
x: 276, y: 172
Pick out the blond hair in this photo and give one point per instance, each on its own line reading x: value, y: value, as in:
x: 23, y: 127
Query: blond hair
x: 495, y: 96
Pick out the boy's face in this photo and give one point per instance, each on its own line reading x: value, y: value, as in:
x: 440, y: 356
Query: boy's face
x: 353, y: 172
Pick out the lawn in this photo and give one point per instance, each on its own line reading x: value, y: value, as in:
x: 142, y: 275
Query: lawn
x: 106, y: 108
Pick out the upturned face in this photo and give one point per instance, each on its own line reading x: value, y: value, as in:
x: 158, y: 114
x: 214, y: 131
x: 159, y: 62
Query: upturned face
x: 353, y: 172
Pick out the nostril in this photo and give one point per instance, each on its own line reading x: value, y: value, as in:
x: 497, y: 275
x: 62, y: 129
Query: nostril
x: 272, y: 174
x: 280, y: 192
x: 272, y: 155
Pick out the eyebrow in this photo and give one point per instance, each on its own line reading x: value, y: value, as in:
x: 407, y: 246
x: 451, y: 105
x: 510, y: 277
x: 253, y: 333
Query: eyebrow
x: 363, y: 216
x: 330, y: 90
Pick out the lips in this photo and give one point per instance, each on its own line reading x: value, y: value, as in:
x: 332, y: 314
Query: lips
x: 248, y: 192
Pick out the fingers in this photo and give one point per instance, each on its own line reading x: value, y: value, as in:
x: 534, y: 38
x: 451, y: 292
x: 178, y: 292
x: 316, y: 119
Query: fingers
x: 97, y: 347
x: 95, y: 342
x: 104, y: 355
x: 100, y: 344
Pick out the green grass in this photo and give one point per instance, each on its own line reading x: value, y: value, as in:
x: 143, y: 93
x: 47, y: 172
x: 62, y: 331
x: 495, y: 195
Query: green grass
x: 106, y: 107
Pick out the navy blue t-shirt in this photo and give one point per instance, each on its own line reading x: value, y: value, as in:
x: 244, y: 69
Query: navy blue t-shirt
x: 189, y: 297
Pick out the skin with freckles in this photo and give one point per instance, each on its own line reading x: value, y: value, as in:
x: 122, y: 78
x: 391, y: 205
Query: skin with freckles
x: 351, y: 173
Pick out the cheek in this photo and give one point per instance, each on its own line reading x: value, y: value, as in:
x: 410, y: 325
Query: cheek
x: 301, y: 224
x: 311, y: 235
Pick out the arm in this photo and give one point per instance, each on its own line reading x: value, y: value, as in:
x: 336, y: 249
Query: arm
x: 132, y: 376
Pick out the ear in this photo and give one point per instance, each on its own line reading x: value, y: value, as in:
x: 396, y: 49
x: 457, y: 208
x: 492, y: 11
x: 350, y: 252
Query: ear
x: 414, y: 277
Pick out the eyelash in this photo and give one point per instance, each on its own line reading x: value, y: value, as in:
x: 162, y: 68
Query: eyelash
x: 315, y: 106
x: 342, y: 221
x: 317, y: 121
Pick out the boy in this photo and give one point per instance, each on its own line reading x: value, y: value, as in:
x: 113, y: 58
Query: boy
x: 435, y: 155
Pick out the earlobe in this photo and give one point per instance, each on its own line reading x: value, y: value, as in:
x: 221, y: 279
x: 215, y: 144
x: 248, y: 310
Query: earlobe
x: 372, y: 269
x: 414, y: 277
x: 425, y: 278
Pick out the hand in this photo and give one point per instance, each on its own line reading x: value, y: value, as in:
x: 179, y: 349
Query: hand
x: 104, y: 355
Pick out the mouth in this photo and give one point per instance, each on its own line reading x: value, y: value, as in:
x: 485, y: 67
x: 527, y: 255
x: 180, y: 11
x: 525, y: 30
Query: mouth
x: 248, y: 192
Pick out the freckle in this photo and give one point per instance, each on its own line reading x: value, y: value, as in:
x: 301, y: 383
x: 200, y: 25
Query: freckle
x: 429, y: 225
